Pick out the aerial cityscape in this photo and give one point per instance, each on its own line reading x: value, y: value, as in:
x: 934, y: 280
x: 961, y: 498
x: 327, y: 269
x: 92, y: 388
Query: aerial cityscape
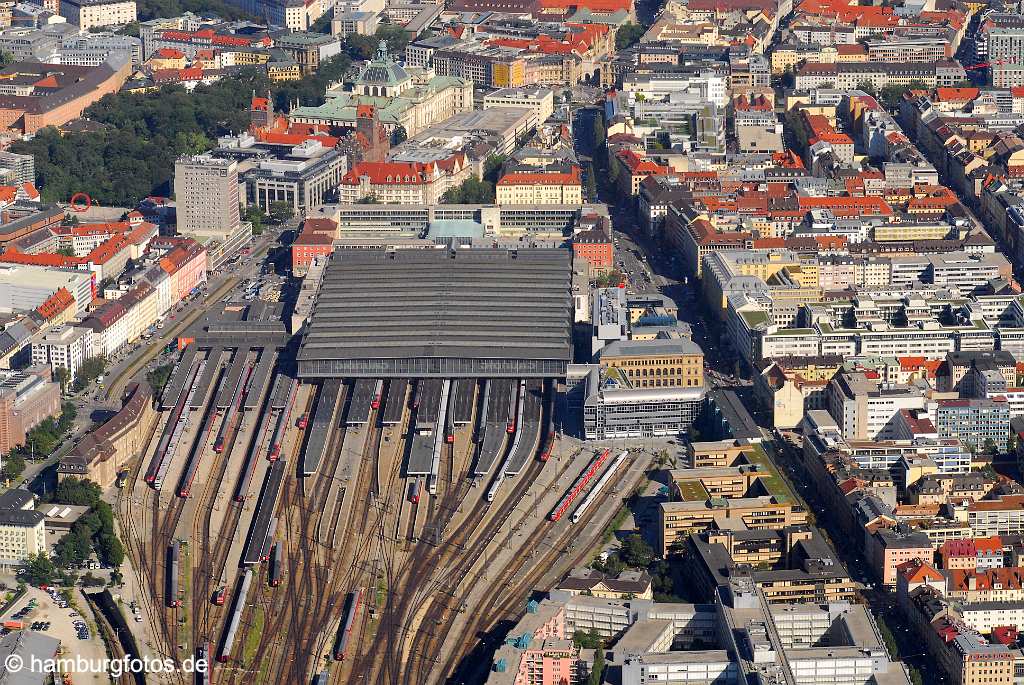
x: 512, y: 342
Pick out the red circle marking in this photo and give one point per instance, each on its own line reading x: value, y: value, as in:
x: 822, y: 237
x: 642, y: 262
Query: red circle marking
x: 73, y: 203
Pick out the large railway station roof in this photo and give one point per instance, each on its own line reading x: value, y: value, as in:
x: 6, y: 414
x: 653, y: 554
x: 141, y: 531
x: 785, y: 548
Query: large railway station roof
x: 423, y: 313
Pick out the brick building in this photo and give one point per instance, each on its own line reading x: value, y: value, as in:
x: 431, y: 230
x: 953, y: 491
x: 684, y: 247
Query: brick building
x: 595, y: 246
x: 26, y: 398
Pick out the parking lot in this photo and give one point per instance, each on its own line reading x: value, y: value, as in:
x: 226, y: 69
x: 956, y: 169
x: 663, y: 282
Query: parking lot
x: 52, y: 616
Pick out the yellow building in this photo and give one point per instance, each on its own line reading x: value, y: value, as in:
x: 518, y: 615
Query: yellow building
x: 629, y: 584
x: 511, y: 74
x: 677, y: 520
x: 100, y: 455
x: 661, y: 363
x: 283, y: 72
x: 716, y: 453
x: 167, y: 58
x: 22, y: 528
x: 540, y: 189
x: 901, y: 231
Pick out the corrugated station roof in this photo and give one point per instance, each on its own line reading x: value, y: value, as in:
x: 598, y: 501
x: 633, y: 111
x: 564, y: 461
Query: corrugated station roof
x: 416, y: 313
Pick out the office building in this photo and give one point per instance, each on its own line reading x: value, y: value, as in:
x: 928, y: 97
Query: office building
x: 22, y: 529
x: 64, y: 347
x: 981, y: 424
x: 26, y: 398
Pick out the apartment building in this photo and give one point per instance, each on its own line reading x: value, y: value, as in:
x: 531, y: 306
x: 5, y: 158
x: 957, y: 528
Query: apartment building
x: 308, y: 50
x: 656, y: 363
x: 26, y: 398
x: 88, y: 14
x: 863, y: 405
x: 846, y: 76
x: 303, y: 177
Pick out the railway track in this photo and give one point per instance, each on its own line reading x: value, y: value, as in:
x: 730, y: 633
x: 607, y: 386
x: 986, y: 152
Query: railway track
x: 428, y: 561
x: 514, y: 592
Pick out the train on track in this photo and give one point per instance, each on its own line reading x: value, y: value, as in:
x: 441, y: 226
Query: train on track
x: 352, y: 605
x: 227, y: 426
x: 171, y: 438
x: 414, y: 491
x: 276, y: 565
x: 579, y: 486
x: 204, y: 665
x: 236, y: 617
x: 378, y: 392
x: 173, y: 573
x: 598, y: 487
x: 274, y: 453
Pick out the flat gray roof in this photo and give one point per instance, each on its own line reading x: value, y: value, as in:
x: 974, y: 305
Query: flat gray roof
x: 424, y: 313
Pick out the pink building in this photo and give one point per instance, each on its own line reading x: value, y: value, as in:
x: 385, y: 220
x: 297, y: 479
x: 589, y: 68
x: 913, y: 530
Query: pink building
x: 185, y: 263
x: 537, y: 651
x: 553, y: 662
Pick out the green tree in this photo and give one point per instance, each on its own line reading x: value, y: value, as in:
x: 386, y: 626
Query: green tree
x: 77, y: 491
x: 192, y: 142
x: 492, y: 168
x: 368, y: 200
x: 636, y: 552
x: 472, y: 191
x: 39, y: 570
x: 13, y: 466
x: 154, y: 9
x: 254, y: 214
x: 599, y: 137
x: 597, y: 674
x: 6, y: 58
x: 110, y: 550
x: 68, y: 414
x: 159, y: 377
x: 91, y: 369
x: 868, y: 88
x: 62, y: 376
x: 66, y: 252
x: 323, y: 24
x: 72, y: 549
x: 281, y: 211
x: 628, y: 34
x: 587, y: 639
x: 398, y: 136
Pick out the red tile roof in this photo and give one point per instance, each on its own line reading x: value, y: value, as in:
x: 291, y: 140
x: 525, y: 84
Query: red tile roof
x: 918, y: 571
x: 169, y: 53
x: 400, y: 173
x: 55, y: 304
x: 860, y: 205
x: 541, y: 179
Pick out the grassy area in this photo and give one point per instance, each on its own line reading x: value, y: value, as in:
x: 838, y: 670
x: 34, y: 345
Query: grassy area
x: 252, y: 637
x: 774, y: 483
x: 692, y: 491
